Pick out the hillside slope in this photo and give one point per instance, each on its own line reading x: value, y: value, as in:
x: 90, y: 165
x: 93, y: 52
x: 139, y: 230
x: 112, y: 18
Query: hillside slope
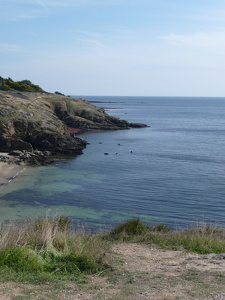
x: 48, y: 122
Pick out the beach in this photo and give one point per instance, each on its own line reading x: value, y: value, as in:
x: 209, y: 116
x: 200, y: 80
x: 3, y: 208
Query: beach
x: 9, y: 171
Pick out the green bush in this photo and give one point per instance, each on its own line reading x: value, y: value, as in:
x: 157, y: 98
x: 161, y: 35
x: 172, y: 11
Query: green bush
x: 128, y: 229
x: 83, y: 262
x: 22, y: 259
x: 23, y: 85
x: 73, y: 263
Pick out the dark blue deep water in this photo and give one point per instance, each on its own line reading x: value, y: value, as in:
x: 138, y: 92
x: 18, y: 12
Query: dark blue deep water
x: 175, y: 174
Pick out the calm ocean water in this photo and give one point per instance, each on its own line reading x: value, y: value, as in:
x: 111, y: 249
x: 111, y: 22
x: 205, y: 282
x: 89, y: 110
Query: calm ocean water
x: 175, y: 174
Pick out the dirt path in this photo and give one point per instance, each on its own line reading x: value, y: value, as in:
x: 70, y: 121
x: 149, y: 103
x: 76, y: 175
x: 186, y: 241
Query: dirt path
x: 139, y: 272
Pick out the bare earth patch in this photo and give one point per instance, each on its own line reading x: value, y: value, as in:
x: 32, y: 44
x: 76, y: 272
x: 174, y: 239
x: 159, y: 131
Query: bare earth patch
x: 139, y: 272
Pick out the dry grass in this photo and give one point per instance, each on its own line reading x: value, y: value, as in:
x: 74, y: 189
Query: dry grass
x: 50, y: 245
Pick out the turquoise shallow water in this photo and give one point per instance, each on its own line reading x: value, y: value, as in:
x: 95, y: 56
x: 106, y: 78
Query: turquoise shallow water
x: 174, y: 175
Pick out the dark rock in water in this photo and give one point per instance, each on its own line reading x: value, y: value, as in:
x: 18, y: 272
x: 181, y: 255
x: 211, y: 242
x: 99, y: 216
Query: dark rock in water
x: 138, y: 125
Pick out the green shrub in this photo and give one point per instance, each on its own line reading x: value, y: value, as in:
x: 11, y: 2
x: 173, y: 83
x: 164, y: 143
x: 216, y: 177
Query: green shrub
x: 23, y: 85
x: 22, y: 259
x: 84, y: 262
x: 70, y: 263
x: 128, y: 229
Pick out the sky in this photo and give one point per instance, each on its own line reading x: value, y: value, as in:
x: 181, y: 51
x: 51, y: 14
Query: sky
x: 115, y: 47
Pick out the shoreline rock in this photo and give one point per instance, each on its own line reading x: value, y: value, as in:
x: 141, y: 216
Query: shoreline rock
x: 23, y: 157
x: 138, y: 125
x: 31, y: 122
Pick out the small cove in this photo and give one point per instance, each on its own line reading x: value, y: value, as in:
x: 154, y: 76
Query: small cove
x: 174, y: 175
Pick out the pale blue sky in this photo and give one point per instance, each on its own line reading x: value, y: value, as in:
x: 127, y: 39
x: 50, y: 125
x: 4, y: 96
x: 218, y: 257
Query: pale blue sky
x: 115, y: 47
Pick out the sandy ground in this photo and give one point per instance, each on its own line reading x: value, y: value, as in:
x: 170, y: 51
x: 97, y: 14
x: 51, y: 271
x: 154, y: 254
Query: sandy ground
x: 8, y: 172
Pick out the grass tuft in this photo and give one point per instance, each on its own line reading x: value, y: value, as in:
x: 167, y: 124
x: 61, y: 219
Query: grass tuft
x: 128, y: 230
x: 22, y: 259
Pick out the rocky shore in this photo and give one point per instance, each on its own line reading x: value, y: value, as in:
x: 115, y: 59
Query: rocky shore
x: 34, y: 126
x: 19, y: 157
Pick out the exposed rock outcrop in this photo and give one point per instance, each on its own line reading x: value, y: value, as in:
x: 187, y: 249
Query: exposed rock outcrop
x: 48, y: 122
x: 31, y: 158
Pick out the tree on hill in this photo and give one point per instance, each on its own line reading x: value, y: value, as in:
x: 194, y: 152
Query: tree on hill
x: 23, y: 85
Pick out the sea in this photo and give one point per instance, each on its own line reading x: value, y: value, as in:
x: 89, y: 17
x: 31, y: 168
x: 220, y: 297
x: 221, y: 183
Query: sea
x: 172, y: 172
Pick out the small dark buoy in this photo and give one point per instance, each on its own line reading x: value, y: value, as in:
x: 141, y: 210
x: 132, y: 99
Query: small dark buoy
x: 106, y: 153
x: 117, y: 153
x: 131, y: 151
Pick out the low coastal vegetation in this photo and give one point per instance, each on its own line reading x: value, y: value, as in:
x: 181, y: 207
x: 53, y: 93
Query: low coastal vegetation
x: 50, y: 249
x: 8, y: 84
x: 202, y: 238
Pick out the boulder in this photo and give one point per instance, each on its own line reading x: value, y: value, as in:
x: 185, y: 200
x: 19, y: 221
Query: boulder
x: 138, y: 125
x: 15, y: 153
x: 8, y: 144
x: 57, y: 143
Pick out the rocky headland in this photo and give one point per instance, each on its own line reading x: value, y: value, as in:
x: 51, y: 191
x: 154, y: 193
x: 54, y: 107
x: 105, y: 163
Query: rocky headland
x: 34, y: 126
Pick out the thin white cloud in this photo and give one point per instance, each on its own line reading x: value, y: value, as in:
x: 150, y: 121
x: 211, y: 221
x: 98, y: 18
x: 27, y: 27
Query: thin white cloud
x: 81, y: 2
x: 212, y: 14
x: 23, y: 16
x: 16, y: 10
x: 39, y: 2
x: 67, y: 3
x: 211, y: 40
x: 90, y: 39
x: 9, y: 48
x: 90, y: 34
x: 91, y: 42
x: 204, y: 50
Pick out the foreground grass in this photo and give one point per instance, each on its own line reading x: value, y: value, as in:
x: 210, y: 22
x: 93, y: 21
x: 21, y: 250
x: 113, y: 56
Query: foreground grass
x: 47, y: 259
x: 202, y: 239
x: 48, y: 250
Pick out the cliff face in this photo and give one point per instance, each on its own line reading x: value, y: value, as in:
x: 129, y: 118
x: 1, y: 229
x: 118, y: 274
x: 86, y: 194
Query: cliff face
x: 47, y: 122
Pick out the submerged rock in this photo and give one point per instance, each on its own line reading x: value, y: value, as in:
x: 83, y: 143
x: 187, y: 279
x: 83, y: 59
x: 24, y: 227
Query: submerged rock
x: 138, y: 125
